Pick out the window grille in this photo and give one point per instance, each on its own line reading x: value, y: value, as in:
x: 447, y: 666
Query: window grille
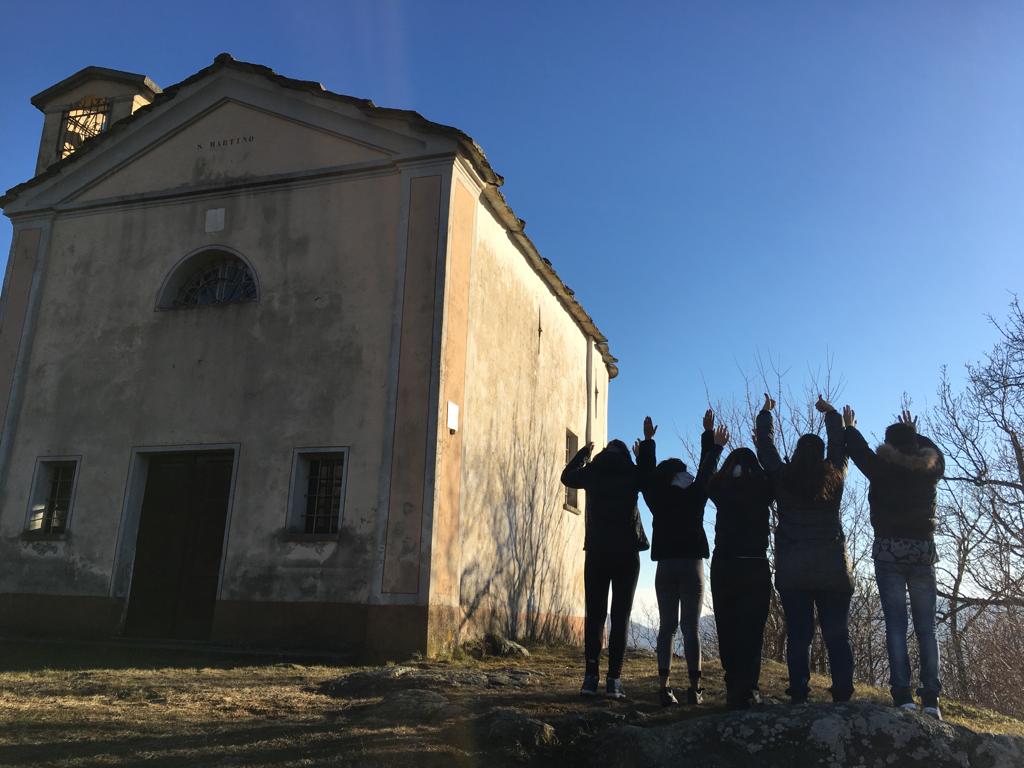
x: 225, y: 281
x: 572, y: 447
x: 86, y: 119
x: 323, y: 493
x: 52, y: 502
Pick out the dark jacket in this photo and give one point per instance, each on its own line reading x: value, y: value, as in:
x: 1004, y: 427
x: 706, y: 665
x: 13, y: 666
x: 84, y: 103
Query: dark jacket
x: 902, y: 492
x: 742, y: 517
x: 678, y: 513
x: 810, y: 546
x: 612, y: 483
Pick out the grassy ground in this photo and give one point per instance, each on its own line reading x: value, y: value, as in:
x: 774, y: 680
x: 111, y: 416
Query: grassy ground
x: 80, y: 705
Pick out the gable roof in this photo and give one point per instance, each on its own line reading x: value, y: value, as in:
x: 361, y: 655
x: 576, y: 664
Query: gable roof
x: 415, y: 120
x: 41, y: 99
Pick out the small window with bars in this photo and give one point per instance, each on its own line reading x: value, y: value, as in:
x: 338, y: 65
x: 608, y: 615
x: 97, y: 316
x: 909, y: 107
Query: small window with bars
x: 572, y: 446
x: 83, y: 121
x: 318, y: 491
x: 52, y: 495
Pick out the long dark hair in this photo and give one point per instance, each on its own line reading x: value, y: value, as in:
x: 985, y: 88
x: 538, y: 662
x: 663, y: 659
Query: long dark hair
x: 753, y: 480
x: 807, y: 475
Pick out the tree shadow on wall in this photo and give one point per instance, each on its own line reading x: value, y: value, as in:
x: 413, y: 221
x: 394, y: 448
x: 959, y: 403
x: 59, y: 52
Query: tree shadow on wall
x: 525, y: 576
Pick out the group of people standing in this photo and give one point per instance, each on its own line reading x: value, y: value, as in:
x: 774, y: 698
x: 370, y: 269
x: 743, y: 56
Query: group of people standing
x: 813, y: 572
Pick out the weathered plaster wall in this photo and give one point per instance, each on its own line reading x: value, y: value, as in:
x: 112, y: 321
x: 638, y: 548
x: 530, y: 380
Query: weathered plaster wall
x: 305, y: 366
x: 520, y: 558
x: 14, y: 305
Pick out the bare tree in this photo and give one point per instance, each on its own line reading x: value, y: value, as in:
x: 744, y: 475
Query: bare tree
x: 981, y: 430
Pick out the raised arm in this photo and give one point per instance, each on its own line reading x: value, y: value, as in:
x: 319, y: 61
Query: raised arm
x: 577, y: 472
x: 834, y: 432
x: 712, y: 441
x: 646, y: 452
x: 857, y: 447
x: 764, y: 437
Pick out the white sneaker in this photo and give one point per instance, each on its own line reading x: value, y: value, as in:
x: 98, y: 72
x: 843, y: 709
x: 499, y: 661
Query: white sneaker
x: 933, y: 712
x: 909, y: 706
x: 613, y: 689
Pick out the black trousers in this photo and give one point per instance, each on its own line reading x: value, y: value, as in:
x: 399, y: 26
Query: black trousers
x: 741, y: 590
x: 601, y: 570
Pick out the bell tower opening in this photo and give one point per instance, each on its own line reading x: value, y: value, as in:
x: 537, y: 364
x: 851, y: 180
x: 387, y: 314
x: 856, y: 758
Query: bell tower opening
x: 83, y: 106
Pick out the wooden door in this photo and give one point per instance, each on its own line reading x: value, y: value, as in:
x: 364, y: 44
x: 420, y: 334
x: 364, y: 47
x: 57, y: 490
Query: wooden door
x: 179, y: 545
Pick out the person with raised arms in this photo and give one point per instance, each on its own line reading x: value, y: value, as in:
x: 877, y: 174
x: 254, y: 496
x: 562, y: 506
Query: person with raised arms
x: 903, y: 473
x: 613, y: 538
x: 741, y: 578
x: 812, y: 568
x: 679, y: 546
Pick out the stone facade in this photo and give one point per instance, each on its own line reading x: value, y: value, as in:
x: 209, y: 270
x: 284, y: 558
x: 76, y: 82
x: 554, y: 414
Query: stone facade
x: 402, y: 321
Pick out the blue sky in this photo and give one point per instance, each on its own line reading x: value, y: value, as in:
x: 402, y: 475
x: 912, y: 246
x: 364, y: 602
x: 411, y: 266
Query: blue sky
x: 717, y: 181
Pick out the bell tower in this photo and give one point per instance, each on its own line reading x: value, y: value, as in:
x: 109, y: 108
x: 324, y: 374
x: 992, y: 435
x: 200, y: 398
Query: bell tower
x: 84, y: 105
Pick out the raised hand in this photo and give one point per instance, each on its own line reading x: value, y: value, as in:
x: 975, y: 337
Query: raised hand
x: 636, y: 449
x: 649, y: 428
x: 906, y: 418
x: 709, y: 420
x: 769, y: 404
x: 721, y: 435
x: 849, y: 417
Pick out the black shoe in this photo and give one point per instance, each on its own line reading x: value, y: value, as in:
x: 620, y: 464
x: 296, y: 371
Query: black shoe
x: 667, y: 697
x: 694, y: 695
x: 841, y: 696
x: 736, y: 700
x: 903, y: 698
x: 589, y: 687
x: 797, y: 698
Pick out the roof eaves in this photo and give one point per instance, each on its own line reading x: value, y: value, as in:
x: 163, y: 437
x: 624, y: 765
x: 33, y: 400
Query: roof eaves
x: 88, y: 73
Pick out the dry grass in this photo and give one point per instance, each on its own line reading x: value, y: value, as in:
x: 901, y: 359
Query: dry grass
x: 75, y: 705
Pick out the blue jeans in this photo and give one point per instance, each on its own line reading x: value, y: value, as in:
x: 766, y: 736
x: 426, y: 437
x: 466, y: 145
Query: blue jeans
x: 895, y: 580
x: 834, y: 616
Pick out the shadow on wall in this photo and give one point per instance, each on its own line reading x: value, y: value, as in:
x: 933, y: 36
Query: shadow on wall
x: 522, y: 554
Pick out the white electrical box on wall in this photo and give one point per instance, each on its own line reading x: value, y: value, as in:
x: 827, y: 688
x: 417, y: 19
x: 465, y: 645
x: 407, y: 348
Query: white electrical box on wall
x: 453, y: 417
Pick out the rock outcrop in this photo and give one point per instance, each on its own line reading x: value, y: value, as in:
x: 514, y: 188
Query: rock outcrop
x: 829, y: 736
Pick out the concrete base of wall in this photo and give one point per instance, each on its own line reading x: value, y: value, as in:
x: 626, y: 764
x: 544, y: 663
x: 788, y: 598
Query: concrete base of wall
x: 60, y: 615
x: 368, y: 633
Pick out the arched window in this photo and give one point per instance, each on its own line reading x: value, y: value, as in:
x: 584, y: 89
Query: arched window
x: 210, y: 277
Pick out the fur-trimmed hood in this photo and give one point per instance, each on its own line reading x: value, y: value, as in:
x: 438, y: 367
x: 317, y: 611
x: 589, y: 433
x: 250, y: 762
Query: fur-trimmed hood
x: 925, y: 459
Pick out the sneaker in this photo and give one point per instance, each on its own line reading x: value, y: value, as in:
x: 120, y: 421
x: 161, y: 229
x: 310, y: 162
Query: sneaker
x: 613, y: 688
x: 909, y: 706
x: 589, y: 687
x: 667, y: 697
x: 930, y: 704
x: 694, y: 695
x: 755, y: 696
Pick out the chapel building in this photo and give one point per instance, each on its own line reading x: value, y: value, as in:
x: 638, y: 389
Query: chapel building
x: 280, y: 368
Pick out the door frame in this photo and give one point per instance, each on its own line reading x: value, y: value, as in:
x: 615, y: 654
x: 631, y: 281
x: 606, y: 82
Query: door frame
x: 131, y: 514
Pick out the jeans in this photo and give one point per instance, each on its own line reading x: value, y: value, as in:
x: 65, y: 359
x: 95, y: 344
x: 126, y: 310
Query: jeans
x: 834, y: 616
x: 601, y: 570
x: 742, y: 591
x: 679, y: 586
x: 895, y: 580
